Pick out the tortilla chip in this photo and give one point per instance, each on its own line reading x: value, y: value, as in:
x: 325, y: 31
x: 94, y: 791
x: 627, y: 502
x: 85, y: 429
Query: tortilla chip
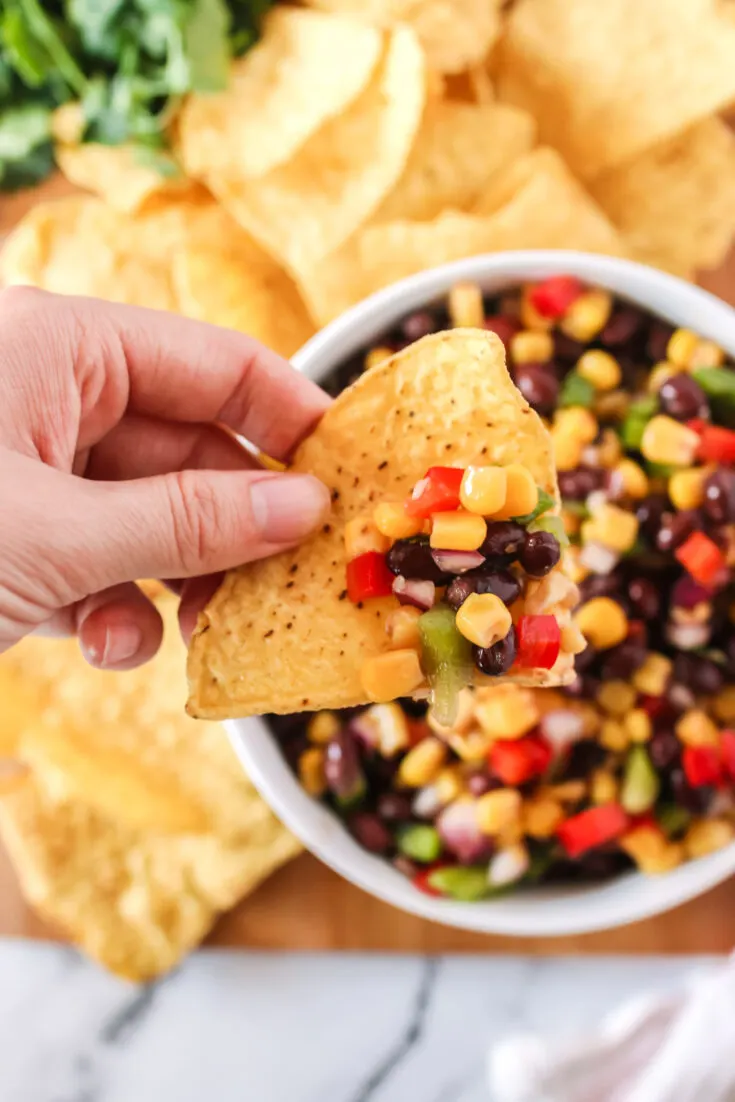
x: 307, y: 68
x: 135, y: 825
x: 550, y: 210
x: 307, y: 207
x: 606, y: 81
x: 459, y: 147
x: 136, y: 902
x: 675, y: 204
x: 119, y: 176
x: 223, y: 277
x: 454, y: 34
x: 281, y: 635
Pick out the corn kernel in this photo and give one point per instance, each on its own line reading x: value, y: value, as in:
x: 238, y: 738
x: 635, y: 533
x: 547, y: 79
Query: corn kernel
x: 706, y: 354
x: 587, y: 315
x: 616, y: 697
x: 457, y: 531
x: 695, y: 728
x: 652, y: 678
x: 465, y: 718
x: 599, y: 368
x: 658, y: 375
x: 311, y: 771
x: 510, y: 836
x: 572, y: 640
x: 531, y: 346
x: 470, y: 748
x: 389, y: 725
x: 541, y: 816
x: 423, y: 763
x: 723, y: 705
x: 529, y: 315
x: 651, y: 850
x: 497, y: 810
x: 613, y: 735
x: 483, y: 490
x: 508, y: 712
x: 602, y: 622
x: 386, y: 677
x: 465, y: 305
x: 611, y: 405
x: 668, y: 441
x: 572, y: 523
x: 707, y: 836
x: 577, y: 421
x: 613, y: 527
x: 681, y: 347
x: 633, y: 479
x: 322, y: 727
x: 483, y: 619
x: 377, y: 356
x: 391, y: 520
x: 603, y: 787
x: 362, y: 536
x: 449, y: 784
x: 567, y: 450
x: 686, y: 488
x: 638, y: 725
x: 570, y: 792
x: 402, y: 627
x: 521, y: 492
x: 609, y: 449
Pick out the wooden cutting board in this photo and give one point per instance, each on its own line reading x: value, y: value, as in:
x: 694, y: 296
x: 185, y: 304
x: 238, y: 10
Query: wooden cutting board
x: 306, y: 906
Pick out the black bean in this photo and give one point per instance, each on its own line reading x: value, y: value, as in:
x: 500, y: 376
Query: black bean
x: 577, y: 484
x: 419, y: 325
x: 479, y: 782
x: 342, y: 767
x: 498, y: 658
x: 412, y: 558
x: 675, y: 528
x: 504, y: 539
x: 622, y: 661
x: 649, y: 512
x: 540, y: 553
x: 692, y: 799
x: 370, y: 832
x: 483, y: 580
x: 539, y: 386
x: 625, y: 322
x: 658, y: 339
x: 584, y: 757
x: 664, y: 749
x: 394, y: 807
x: 566, y: 348
x: 682, y: 397
x: 701, y: 675
x: 584, y: 687
x: 644, y: 597
x: 719, y: 497
x: 600, y: 585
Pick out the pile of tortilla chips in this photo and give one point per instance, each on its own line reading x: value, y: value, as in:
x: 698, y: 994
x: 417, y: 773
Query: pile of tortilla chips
x: 364, y: 140
x: 131, y: 826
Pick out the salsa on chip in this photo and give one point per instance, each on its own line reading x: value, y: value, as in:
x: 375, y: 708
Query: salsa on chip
x: 439, y: 568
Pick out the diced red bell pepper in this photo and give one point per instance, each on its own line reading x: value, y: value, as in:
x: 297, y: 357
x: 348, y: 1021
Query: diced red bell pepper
x: 539, y: 640
x: 438, y: 492
x: 368, y: 576
x: 503, y: 326
x: 702, y: 765
x: 553, y: 296
x: 716, y: 444
x: 702, y: 558
x: 592, y: 828
x: 515, y: 761
x: 421, y: 879
x: 727, y: 753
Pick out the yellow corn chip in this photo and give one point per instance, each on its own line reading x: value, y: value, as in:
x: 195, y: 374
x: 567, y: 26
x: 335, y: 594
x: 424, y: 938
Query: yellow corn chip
x: 606, y: 81
x: 118, y: 175
x: 675, y: 204
x: 307, y: 68
x: 549, y: 210
x: 306, y: 208
x: 459, y: 147
x: 281, y: 635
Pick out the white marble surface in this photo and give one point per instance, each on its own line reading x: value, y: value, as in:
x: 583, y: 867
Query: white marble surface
x: 246, y: 1027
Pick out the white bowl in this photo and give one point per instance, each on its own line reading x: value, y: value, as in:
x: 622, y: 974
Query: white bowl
x: 542, y: 911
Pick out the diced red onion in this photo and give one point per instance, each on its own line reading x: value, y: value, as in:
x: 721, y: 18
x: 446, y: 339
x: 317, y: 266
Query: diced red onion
x: 688, y: 594
x: 615, y: 485
x: 562, y: 727
x: 461, y: 834
x: 508, y: 865
x: 722, y: 803
x: 365, y: 730
x: 412, y: 591
x: 457, y: 562
x: 590, y: 456
x: 419, y: 488
x: 681, y: 697
x: 598, y: 558
x: 688, y: 636
x: 596, y: 500
x: 426, y: 803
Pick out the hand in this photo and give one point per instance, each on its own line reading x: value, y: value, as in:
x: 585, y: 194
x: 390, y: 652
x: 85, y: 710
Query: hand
x: 115, y: 464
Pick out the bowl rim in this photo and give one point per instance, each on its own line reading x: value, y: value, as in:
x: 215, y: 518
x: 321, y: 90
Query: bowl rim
x: 543, y: 912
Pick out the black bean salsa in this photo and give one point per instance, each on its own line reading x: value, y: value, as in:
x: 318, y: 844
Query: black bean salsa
x: 633, y: 764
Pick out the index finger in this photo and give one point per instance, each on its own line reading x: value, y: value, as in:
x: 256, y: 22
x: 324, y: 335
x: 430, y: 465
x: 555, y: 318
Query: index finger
x: 187, y: 370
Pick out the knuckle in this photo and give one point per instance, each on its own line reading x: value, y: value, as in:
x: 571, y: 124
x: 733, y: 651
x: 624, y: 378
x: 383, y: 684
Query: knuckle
x: 19, y: 300
x: 196, y: 519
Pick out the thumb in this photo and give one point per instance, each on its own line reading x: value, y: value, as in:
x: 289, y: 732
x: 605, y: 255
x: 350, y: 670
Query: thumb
x: 194, y: 522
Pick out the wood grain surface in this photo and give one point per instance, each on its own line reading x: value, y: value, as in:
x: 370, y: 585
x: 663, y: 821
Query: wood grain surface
x: 306, y: 906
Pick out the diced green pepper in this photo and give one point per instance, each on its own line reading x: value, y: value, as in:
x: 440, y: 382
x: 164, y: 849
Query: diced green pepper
x: 447, y: 660
x: 420, y: 842
x: 545, y: 502
x: 673, y: 819
x: 641, y: 783
x: 662, y: 470
x: 465, y: 883
x: 718, y: 383
x: 552, y: 524
x: 576, y: 391
x: 638, y: 415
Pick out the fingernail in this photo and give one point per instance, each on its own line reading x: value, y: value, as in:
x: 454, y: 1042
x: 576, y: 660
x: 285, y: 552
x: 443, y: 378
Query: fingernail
x: 289, y: 507
x: 121, y: 642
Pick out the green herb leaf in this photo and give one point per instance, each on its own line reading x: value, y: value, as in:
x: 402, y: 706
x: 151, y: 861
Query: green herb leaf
x: 545, y: 502
x: 206, y: 46
x: 465, y: 883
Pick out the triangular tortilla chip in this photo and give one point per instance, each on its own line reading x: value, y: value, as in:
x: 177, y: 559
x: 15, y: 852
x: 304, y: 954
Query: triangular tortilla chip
x: 281, y: 635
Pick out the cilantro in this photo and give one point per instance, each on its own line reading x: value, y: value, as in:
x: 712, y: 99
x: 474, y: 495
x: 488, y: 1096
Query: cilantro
x: 545, y: 502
